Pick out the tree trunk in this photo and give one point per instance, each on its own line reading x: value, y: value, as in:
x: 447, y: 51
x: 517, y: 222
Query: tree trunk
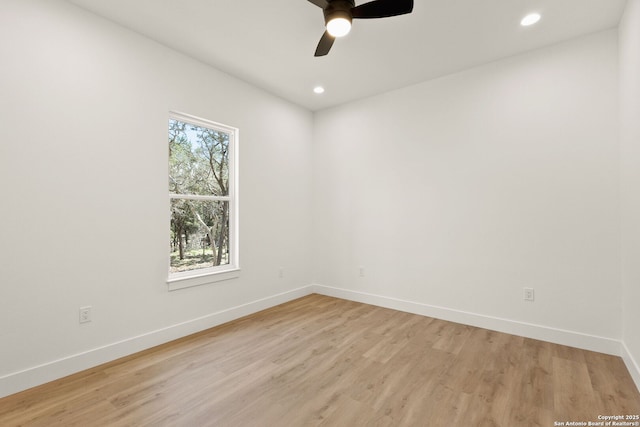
x: 210, y: 231
x: 222, y: 235
x: 180, y: 243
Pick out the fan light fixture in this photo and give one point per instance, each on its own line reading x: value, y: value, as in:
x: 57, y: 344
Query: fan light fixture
x: 339, y: 27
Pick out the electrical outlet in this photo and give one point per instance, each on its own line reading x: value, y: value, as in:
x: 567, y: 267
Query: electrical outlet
x: 85, y: 314
x: 281, y: 272
x: 528, y: 294
x: 361, y: 271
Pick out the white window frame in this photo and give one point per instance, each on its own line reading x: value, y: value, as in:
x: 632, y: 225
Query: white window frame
x: 231, y: 270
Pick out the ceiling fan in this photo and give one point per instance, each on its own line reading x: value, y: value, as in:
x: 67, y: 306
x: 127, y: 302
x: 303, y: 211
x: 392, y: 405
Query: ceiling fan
x: 339, y: 13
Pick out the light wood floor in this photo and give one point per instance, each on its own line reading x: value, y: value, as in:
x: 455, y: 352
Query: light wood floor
x: 321, y: 361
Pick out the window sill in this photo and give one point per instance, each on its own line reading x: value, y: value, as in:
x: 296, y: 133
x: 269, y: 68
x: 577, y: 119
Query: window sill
x: 175, y: 283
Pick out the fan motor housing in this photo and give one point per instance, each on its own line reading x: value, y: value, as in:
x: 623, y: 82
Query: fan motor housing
x: 339, y: 9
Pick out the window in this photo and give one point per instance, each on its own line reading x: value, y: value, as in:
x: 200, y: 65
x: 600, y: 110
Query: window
x: 203, y: 200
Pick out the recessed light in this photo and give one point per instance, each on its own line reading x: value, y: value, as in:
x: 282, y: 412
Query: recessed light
x: 530, y: 19
x: 318, y: 90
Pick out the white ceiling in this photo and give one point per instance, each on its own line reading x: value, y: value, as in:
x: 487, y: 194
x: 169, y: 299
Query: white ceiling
x: 270, y: 43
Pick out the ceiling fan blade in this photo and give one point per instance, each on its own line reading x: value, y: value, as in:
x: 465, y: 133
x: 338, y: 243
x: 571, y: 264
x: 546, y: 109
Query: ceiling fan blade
x: 320, y: 3
x: 382, y: 9
x: 325, y: 44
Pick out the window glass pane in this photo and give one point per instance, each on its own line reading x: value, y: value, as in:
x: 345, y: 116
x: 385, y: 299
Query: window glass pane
x: 199, y: 234
x: 198, y: 160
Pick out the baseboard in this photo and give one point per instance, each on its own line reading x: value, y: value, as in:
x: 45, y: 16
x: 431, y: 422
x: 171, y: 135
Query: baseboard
x: 37, y: 375
x: 632, y: 365
x: 528, y: 330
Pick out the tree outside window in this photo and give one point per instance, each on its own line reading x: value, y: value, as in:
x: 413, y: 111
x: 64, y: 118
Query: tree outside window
x: 201, y: 189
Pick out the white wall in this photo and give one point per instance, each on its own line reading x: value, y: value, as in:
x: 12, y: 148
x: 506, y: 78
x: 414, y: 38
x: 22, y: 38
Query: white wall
x: 456, y: 193
x: 630, y: 181
x: 84, y: 212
